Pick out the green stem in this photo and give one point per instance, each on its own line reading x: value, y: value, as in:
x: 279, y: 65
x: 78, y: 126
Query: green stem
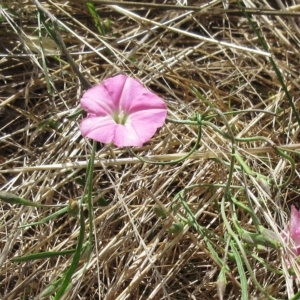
x: 48, y: 218
x: 293, y: 167
x: 89, y: 196
x: 75, y: 261
x: 78, y: 251
x: 42, y: 255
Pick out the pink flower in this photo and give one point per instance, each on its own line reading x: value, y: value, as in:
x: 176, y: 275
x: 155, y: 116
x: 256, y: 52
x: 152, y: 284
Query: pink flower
x: 121, y: 110
x: 291, y: 235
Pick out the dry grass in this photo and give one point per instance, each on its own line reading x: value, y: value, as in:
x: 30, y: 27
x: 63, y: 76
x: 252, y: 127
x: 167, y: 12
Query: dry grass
x: 43, y: 154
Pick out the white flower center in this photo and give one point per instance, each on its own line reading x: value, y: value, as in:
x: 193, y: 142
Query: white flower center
x: 120, y: 117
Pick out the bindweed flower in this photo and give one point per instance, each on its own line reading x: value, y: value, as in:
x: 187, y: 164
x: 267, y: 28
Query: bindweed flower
x: 121, y: 110
x: 291, y: 234
x: 293, y: 231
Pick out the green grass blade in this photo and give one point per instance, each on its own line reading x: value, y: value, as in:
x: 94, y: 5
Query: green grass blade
x: 75, y: 261
x: 42, y: 255
x: 48, y: 218
x: 101, y: 27
x: 243, y: 278
x: 14, y: 199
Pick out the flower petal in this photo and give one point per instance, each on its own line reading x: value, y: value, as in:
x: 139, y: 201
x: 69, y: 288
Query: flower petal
x: 101, y: 129
x: 136, y: 97
x: 132, y: 91
x: 115, y: 87
x: 126, y: 136
x: 147, y: 101
x: 97, y: 101
x: 103, y: 99
x: 145, y: 123
x: 154, y: 117
x: 295, y: 225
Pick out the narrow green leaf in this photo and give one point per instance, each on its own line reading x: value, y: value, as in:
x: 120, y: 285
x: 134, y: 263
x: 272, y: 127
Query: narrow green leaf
x: 49, y: 123
x: 42, y: 255
x: 50, y: 289
x: 75, y: 261
x: 200, y: 96
x: 102, y: 28
x: 50, y: 30
x: 75, y: 114
x: 14, y: 199
x: 243, y: 278
x: 48, y: 218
